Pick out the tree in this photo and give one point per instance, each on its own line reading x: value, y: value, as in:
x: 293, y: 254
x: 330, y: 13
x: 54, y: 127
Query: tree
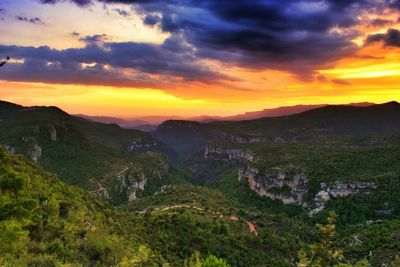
x: 324, y: 253
x: 210, y: 261
x: 12, y: 182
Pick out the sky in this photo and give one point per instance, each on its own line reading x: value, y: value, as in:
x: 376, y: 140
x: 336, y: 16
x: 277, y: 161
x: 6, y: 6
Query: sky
x: 130, y: 58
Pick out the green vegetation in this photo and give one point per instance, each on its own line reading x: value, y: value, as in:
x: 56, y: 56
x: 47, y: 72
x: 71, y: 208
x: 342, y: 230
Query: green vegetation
x: 324, y: 253
x: 46, y: 223
x: 190, y: 211
x: 85, y: 153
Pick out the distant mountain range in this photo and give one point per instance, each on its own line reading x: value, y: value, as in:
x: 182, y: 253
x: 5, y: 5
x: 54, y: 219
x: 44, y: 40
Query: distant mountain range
x: 330, y: 120
x: 150, y: 123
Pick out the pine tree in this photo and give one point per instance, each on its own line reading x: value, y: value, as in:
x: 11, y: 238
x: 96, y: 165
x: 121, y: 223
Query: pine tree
x: 324, y: 253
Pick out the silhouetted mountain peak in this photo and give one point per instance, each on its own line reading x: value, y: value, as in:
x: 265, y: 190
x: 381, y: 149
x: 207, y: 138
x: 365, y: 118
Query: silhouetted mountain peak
x: 4, y: 105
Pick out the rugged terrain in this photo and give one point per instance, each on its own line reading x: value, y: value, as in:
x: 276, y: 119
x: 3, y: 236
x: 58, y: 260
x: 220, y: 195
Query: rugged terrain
x: 248, y: 192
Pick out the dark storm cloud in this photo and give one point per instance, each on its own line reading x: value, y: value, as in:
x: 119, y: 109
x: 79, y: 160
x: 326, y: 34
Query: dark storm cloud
x: 78, y: 2
x: 151, y: 20
x: 292, y: 35
x: 96, y: 39
x: 67, y: 66
x: 34, y: 20
x: 390, y: 38
x: 122, y: 12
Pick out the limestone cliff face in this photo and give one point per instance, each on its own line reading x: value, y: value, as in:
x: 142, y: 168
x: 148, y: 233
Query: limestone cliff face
x: 35, y: 152
x: 140, y: 144
x: 10, y: 149
x: 276, y: 184
x: 340, y: 189
x: 292, y: 188
x: 228, y: 154
x: 130, y: 182
x: 52, y: 132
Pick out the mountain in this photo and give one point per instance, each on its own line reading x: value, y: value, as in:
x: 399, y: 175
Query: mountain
x: 112, y: 120
x: 230, y: 193
x: 45, y: 222
x: 284, y: 111
x: 145, y: 123
x: 118, y: 163
x: 150, y: 123
x: 341, y: 159
x: 186, y: 136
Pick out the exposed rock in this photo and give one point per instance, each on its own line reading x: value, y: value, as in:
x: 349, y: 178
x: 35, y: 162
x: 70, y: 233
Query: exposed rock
x: 35, y: 152
x: 321, y: 198
x: 53, y: 132
x: 132, y: 196
x: 246, y: 139
x: 139, y: 144
x: 10, y: 149
x: 276, y: 184
x: 340, y: 189
x: 279, y: 140
x: 343, y: 189
x: 228, y: 154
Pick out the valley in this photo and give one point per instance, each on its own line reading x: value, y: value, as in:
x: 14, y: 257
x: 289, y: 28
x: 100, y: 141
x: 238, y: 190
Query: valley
x: 248, y: 192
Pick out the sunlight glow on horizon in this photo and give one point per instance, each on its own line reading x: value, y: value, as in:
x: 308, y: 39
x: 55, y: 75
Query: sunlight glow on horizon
x: 212, y: 85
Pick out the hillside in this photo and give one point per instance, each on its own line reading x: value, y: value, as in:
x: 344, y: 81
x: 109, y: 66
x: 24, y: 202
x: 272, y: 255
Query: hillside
x: 336, y: 158
x: 44, y: 222
x: 117, y: 163
x: 329, y: 120
x: 150, y: 123
x: 247, y: 199
x: 188, y: 136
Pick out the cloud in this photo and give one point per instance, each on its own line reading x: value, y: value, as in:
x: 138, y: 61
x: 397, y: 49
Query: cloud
x: 122, y: 12
x: 380, y: 22
x: 97, y: 39
x: 81, y: 3
x: 34, y: 20
x: 299, y: 37
x: 390, y: 38
x: 110, y: 63
x: 151, y: 20
x: 340, y: 82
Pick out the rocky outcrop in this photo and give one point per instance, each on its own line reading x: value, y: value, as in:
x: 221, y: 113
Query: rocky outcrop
x: 35, y: 152
x: 140, y: 144
x: 228, y: 154
x: 289, y: 187
x: 129, y: 183
x: 340, y: 189
x: 246, y: 139
x: 52, y: 132
x: 343, y: 189
x: 279, y: 139
x: 10, y: 149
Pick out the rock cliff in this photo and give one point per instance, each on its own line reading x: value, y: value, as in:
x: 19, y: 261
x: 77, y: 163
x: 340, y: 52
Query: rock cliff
x: 289, y: 187
x: 340, y: 189
x: 131, y: 181
x: 228, y: 154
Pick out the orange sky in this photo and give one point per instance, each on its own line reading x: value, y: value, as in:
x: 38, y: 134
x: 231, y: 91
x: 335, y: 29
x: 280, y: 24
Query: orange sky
x: 371, y: 73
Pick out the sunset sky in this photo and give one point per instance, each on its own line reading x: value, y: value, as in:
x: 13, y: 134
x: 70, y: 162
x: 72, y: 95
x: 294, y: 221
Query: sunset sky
x: 185, y: 57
